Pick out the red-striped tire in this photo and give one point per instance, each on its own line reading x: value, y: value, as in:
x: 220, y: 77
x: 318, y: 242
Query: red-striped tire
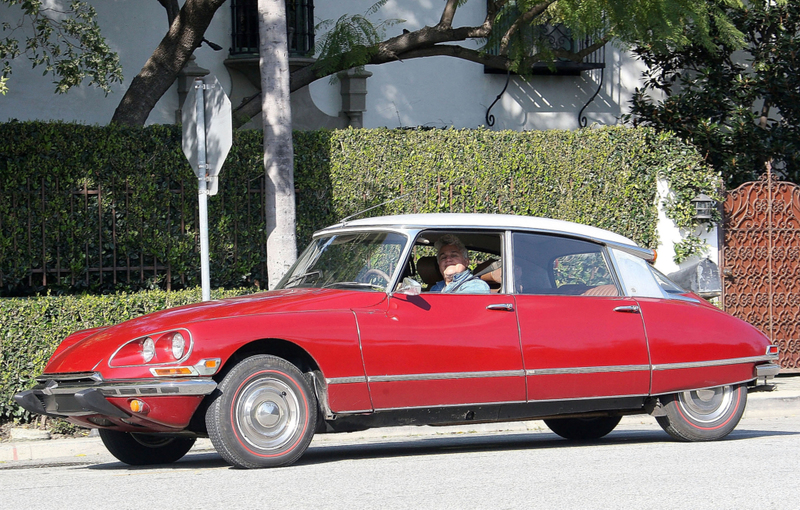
x: 264, y: 415
x: 703, y: 415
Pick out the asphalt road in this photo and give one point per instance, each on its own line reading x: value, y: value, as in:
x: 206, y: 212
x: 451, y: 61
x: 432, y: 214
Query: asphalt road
x: 636, y: 466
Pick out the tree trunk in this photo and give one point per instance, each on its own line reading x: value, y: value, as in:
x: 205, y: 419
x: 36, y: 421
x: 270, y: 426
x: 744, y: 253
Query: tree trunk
x: 278, y: 153
x: 159, y: 72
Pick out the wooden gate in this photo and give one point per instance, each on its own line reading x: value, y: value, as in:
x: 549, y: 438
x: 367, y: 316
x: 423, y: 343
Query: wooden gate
x: 761, y: 261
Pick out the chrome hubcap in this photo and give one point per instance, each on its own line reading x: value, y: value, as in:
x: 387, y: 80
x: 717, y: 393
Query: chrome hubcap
x: 267, y: 414
x: 707, y: 405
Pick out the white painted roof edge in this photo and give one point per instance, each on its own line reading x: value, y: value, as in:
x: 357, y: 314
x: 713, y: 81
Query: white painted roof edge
x: 445, y: 220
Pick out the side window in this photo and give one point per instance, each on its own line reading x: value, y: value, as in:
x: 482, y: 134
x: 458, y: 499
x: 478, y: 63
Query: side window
x: 483, y: 261
x: 549, y: 264
x: 637, y: 278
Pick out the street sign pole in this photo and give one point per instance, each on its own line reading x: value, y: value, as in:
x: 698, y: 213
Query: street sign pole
x: 202, y: 191
x: 207, y: 138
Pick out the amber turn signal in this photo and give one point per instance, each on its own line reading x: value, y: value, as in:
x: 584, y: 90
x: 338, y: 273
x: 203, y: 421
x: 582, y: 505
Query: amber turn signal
x: 168, y: 372
x: 139, y: 406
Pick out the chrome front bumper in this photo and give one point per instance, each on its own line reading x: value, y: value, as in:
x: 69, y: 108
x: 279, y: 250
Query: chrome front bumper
x: 86, y: 393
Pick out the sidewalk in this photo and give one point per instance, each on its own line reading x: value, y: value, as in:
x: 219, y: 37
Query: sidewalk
x: 783, y: 401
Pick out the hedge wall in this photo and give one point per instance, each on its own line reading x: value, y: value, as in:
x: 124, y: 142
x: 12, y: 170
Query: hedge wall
x: 32, y: 328
x: 110, y: 208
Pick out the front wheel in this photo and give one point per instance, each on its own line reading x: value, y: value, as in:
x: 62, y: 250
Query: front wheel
x: 265, y: 414
x: 145, y: 449
x: 583, y: 429
x: 703, y: 415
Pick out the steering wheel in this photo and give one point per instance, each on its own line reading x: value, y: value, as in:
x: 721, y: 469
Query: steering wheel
x: 369, y: 274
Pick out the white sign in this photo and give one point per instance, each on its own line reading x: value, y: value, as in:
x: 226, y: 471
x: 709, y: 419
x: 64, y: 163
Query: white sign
x: 218, y: 130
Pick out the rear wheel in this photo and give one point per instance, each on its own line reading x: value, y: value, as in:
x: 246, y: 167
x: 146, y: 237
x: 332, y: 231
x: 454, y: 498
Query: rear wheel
x: 703, y: 415
x: 144, y: 449
x: 583, y: 428
x: 265, y: 414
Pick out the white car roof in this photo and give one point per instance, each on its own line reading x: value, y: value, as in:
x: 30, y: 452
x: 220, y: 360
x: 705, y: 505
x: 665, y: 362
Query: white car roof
x: 451, y: 220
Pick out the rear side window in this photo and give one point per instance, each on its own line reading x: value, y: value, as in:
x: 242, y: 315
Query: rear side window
x: 636, y: 275
x: 547, y: 264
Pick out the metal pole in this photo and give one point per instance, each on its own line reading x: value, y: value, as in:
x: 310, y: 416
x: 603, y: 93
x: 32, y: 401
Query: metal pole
x: 202, y: 191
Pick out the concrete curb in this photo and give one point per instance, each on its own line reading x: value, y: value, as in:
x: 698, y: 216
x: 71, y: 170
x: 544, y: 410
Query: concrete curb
x: 783, y: 401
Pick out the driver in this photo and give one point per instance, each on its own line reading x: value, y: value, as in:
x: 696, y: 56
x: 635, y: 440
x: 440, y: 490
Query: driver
x: 453, y: 259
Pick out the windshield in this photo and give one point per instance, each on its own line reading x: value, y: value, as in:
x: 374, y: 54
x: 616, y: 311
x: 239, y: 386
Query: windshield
x: 364, y: 260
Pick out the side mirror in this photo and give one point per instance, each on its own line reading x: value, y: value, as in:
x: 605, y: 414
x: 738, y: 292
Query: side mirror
x: 410, y: 287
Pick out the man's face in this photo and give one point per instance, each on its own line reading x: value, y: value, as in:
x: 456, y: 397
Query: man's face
x: 451, y: 261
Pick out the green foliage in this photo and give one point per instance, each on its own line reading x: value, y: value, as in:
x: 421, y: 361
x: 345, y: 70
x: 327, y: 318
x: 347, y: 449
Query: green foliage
x: 350, y: 41
x: 512, y: 30
x: 67, y: 43
x: 32, y: 328
x: 144, y: 214
x: 725, y: 101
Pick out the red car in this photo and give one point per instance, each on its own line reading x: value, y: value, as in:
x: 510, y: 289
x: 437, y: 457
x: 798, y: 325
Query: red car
x: 559, y: 321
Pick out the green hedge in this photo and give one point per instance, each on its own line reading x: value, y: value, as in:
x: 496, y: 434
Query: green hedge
x: 145, y: 212
x: 32, y: 328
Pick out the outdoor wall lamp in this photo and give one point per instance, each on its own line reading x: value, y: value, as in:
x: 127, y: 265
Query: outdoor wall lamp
x: 703, y: 207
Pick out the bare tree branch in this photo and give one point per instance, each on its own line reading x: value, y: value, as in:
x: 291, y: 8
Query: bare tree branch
x: 580, y: 55
x: 172, y: 8
x: 524, y: 19
x: 159, y: 72
x: 448, y: 13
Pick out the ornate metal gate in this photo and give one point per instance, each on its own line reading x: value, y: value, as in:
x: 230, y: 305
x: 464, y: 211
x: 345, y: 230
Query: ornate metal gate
x: 761, y: 261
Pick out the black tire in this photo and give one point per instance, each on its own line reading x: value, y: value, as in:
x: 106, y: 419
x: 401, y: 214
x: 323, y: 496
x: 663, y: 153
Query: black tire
x: 264, y: 415
x: 145, y: 449
x: 583, y: 429
x: 703, y: 415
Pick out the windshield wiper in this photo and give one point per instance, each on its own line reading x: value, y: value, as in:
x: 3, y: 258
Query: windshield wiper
x: 353, y: 284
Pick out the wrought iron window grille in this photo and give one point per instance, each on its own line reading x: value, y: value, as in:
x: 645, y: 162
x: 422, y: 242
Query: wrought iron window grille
x: 557, y: 37
x: 299, y: 27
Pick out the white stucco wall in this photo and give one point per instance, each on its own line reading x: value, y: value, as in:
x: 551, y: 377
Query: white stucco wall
x: 669, y: 234
x: 437, y: 91
x: 133, y: 28
x: 445, y: 92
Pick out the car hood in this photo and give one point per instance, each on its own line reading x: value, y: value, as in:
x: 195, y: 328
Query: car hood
x: 84, y: 350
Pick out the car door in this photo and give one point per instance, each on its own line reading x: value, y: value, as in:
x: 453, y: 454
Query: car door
x: 580, y: 338
x: 442, y: 349
x: 689, y: 339
x: 445, y: 349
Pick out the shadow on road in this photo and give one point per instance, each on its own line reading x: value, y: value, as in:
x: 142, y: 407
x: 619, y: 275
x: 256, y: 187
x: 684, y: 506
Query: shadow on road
x: 440, y: 445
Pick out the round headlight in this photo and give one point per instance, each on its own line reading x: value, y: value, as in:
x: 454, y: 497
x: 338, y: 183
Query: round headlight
x: 178, y: 345
x: 148, y: 349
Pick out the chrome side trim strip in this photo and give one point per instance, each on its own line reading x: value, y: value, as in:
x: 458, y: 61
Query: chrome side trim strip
x: 346, y: 380
x: 713, y: 363
x: 547, y: 371
x: 450, y: 375
x: 426, y: 377
x: 587, y: 370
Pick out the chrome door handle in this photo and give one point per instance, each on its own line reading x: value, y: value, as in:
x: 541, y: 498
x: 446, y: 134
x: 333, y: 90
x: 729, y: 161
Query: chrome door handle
x: 508, y: 307
x: 627, y: 309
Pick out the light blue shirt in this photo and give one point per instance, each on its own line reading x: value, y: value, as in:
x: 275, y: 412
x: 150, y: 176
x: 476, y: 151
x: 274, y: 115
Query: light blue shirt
x: 470, y: 285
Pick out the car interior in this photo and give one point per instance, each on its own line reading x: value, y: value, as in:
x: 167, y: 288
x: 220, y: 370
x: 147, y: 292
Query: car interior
x: 485, y: 254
